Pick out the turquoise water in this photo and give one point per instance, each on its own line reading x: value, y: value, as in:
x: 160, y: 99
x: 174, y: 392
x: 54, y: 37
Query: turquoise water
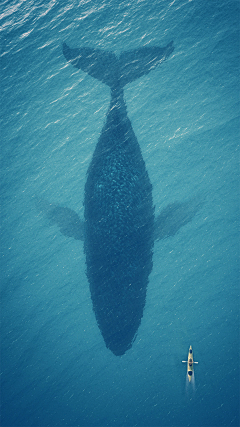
x: 55, y: 368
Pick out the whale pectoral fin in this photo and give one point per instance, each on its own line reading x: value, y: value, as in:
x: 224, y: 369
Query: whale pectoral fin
x: 67, y: 220
x: 173, y: 217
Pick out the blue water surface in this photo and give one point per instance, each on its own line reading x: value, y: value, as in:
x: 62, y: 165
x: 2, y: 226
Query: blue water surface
x: 55, y: 367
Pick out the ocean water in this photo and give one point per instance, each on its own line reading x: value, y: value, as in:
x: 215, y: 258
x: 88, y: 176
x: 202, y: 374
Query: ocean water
x: 55, y: 367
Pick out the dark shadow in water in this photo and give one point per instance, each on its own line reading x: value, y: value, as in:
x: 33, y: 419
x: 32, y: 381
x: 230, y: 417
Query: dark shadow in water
x: 119, y: 226
x: 174, y: 217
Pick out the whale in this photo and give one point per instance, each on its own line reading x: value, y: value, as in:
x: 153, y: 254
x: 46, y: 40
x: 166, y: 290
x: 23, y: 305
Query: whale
x: 119, y: 225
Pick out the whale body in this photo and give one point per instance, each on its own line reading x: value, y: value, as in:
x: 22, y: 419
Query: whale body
x: 119, y: 227
x: 118, y: 205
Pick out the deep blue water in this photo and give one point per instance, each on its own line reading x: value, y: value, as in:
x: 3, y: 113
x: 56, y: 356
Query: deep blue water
x: 55, y: 368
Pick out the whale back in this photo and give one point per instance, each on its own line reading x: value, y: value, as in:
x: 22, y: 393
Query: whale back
x: 119, y: 226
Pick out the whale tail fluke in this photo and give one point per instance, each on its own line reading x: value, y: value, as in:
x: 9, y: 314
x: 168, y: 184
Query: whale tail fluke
x: 106, y: 67
x: 139, y: 62
x: 97, y: 63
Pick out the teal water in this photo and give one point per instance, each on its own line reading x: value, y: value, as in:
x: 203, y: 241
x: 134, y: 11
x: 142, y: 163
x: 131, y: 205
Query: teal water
x: 55, y: 368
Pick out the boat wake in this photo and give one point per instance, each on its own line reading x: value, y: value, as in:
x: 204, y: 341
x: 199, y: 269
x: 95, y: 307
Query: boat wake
x: 190, y: 387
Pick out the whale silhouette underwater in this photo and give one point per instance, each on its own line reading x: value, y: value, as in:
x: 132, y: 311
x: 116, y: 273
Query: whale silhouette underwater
x: 119, y: 226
